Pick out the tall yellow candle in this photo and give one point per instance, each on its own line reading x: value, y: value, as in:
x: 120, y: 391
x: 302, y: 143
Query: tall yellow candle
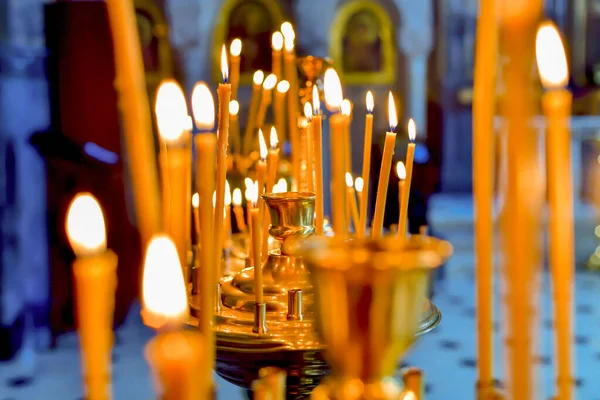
x: 524, y: 194
x: 351, y: 199
x: 291, y: 75
x: 410, y: 155
x: 133, y: 101
x: 224, y: 92
x: 261, y: 171
x: 257, y: 81
x: 238, y: 211
x: 346, y: 110
x: 272, y: 162
x: 279, y: 108
x: 265, y: 99
x: 403, y: 214
x: 384, y: 174
x: 234, y: 127
x: 175, y: 160
x: 235, y: 49
x: 206, y: 147
x: 317, y: 132
x: 248, y: 195
x: 276, y: 46
x: 95, y: 280
x: 333, y: 99
x: 556, y: 102
x: 366, y: 167
x: 310, y: 163
x: 255, y: 239
x: 486, y: 55
x: 177, y: 357
x: 227, y: 234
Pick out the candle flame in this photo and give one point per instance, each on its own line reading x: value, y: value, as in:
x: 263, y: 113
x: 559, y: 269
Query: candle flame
x: 401, y: 170
x: 203, y: 107
x: 258, y: 77
x: 270, y: 82
x: 308, y: 110
x: 235, y: 48
x: 359, y: 183
x: 412, y: 130
x: 227, y: 193
x: 262, y: 145
x: 409, y: 395
x: 280, y: 186
x: 248, y: 182
x: 346, y: 107
x: 288, y: 35
x: 85, y: 225
x: 551, y: 57
x: 277, y: 41
x: 370, y: 102
x: 273, y: 139
x: 224, y: 65
x: 237, y: 197
x: 195, y: 200
x: 316, y: 101
x: 333, y: 90
x: 253, y: 193
x: 234, y: 107
x: 163, y: 287
x: 283, y: 87
x: 214, y: 199
x: 349, y: 180
x: 171, y: 111
x: 393, y: 117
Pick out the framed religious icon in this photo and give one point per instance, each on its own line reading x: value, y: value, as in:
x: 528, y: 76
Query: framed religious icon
x: 362, y: 44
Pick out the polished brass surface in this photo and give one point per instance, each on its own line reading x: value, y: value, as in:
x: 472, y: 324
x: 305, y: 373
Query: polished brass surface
x: 369, y: 299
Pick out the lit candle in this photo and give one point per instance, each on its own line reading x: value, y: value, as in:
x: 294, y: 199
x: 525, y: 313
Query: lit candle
x: 261, y: 170
x: 401, y: 172
x: 366, y: 167
x: 334, y: 99
x: 384, y: 174
x: 133, y: 101
x: 351, y: 199
x: 257, y: 81
x: 291, y: 75
x: 484, y: 90
x: 278, y: 108
x: 224, y: 92
x: 177, y: 356
x: 556, y: 101
x: 276, y: 46
x: 234, y: 126
x: 95, y: 280
x: 272, y: 159
x: 175, y: 160
x: 195, y: 205
x: 310, y: 168
x: 280, y: 186
x: 317, y: 132
x: 346, y: 110
x: 255, y: 238
x: 248, y: 194
x: 303, y: 148
x: 410, y: 156
x: 238, y: 211
x: 227, y: 235
x: 235, y: 49
x: 359, y: 183
x: 265, y: 99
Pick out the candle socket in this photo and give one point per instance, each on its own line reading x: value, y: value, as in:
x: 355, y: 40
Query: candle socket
x: 260, y: 318
x: 217, y: 298
x: 295, y: 307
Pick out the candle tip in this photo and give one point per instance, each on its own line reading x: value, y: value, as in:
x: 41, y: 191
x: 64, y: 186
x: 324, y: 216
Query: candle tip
x: 195, y: 200
x: 258, y: 77
x: 283, y: 87
x: 262, y: 145
x: 370, y: 102
x: 171, y: 112
x: 237, y: 197
x: 270, y: 82
x: 273, y: 139
x: 333, y: 90
x: 346, y: 107
x: 224, y: 65
x: 277, y: 41
x: 412, y: 130
x: 392, y: 115
x: 316, y: 101
x: 401, y: 170
x: 85, y: 226
x: 234, y: 107
x: 203, y: 107
x: 308, y: 111
x: 235, y: 48
x: 359, y: 183
x: 349, y: 180
x: 551, y: 57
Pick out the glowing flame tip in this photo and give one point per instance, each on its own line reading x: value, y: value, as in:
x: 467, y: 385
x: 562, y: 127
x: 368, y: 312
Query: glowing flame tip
x: 85, y: 226
x: 551, y: 57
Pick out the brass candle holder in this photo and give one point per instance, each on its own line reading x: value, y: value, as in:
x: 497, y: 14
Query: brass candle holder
x: 287, y: 337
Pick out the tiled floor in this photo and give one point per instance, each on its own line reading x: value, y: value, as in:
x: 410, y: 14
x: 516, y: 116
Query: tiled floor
x: 447, y: 355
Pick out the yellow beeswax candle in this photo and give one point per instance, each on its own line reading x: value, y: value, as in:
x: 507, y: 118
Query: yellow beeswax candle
x: 134, y: 105
x: 238, y: 211
x: 224, y: 92
x: 410, y: 155
x: 257, y: 81
x: 317, y: 132
x: 484, y: 90
x: 351, y: 199
x: 401, y: 172
x: 175, y: 160
x: 291, y: 75
x: 95, y: 281
x: 346, y: 110
x: 227, y: 235
x: 556, y: 102
x: 235, y: 49
x: 261, y: 170
x: 276, y: 46
x: 384, y: 174
x: 177, y: 357
x: 358, y: 185
x: 272, y: 161
x: 265, y: 99
x: 195, y: 205
x: 234, y: 127
x: 255, y: 238
x: 333, y: 99
x: 366, y: 167
x: 279, y: 108
x: 310, y: 163
x: 248, y: 195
